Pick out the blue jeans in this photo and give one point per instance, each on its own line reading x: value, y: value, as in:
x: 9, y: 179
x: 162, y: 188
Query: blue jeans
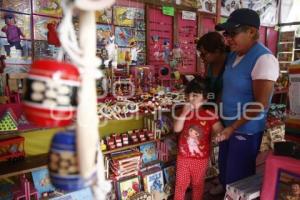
x: 237, y: 157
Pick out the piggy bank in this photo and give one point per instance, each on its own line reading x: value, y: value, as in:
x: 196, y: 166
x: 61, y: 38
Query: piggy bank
x: 50, y: 98
x: 63, y: 165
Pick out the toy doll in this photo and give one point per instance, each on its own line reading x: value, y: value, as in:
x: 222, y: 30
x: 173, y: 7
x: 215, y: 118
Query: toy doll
x: 112, y: 52
x: 52, y: 36
x: 13, y: 34
x: 166, y: 51
x: 156, y: 47
x: 134, y: 50
x: 177, y: 53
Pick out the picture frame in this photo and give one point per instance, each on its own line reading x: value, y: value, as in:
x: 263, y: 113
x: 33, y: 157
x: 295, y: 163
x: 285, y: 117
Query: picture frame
x: 288, y: 185
x: 272, y: 174
x: 23, y: 6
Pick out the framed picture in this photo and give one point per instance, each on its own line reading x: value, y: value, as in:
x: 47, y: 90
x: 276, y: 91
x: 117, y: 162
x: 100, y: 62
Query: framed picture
x: 149, y: 152
x: 17, y: 53
x: 228, y: 6
x: 280, y: 177
x: 47, y: 7
x: 287, y: 36
x: 287, y: 57
x: 103, y: 34
x: 285, y: 47
x: 128, y: 187
x: 42, y: 182
x: 124, y: 16
x: 22, y: 6
x: 44, y: 50
x: 21, y: 20
x: 207, y: 6
x: 124, y: 35
x: 40, y: 26
x: 104, y: 16
x: 288, y: 186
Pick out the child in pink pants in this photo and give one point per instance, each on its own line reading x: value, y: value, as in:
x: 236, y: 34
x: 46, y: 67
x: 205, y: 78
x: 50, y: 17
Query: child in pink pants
x: 195, y: 125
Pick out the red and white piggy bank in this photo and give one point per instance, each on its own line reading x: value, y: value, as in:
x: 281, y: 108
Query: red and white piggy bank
x: 51, y: 93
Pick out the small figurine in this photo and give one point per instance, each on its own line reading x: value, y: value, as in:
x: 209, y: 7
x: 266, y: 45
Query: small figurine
x: 52, y: 36
x: 156, y: 47
x: 177, y: 55
x: 166, y: 51
x: 13, y: 34
x: 134, y: 50
x: 112, y: 52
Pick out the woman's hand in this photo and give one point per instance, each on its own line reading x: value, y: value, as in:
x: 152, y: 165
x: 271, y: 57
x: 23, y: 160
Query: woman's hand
x: 225, y: 134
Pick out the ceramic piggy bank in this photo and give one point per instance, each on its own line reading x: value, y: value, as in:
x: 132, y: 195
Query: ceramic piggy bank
x: 51, y: 93
x: 63, y: 165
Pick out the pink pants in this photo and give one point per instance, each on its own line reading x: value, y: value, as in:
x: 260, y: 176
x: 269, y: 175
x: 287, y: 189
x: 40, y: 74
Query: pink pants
x: 190, y: 171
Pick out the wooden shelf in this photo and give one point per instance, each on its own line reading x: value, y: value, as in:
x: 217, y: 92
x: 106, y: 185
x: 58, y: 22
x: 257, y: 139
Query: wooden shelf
x: 127, y: 147
x: 27, y: 165
x: 134, y: 145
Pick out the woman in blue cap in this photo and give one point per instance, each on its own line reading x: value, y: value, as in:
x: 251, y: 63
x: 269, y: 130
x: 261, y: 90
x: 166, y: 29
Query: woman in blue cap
x: 248, y: 82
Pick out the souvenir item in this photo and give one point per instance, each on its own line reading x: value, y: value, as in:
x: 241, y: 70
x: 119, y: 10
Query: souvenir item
x: 63, y: 163
x: 52, y: 34
x: 50, y: 98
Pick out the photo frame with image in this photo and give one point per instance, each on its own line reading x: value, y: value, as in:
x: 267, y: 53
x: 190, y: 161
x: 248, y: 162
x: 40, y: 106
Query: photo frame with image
x: 279, y: 171
x: 288, y: 185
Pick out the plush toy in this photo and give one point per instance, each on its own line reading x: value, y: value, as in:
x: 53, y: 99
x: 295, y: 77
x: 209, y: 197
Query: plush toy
x: 52, y: 34
x: 13, y: 33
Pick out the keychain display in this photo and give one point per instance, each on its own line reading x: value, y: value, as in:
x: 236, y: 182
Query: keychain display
x: 51, y: 93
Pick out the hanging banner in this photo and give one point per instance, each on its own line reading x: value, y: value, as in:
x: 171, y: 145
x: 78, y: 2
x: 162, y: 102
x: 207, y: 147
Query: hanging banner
x: 187, y: 15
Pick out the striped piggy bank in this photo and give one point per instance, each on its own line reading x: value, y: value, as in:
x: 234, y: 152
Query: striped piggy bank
x: 50, y: 98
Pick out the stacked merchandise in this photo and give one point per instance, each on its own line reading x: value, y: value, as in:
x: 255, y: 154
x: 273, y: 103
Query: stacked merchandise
x: 131, y: 137
x: 125, y: 164
x: 275, y: 127
x: 272, y: 135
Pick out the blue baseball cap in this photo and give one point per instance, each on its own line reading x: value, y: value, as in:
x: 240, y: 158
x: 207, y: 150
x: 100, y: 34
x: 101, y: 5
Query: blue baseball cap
x: 240, y: 17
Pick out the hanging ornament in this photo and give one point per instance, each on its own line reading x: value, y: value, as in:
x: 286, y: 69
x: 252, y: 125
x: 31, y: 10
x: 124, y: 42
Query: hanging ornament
x: 63, y: 163
x: 51, y: 93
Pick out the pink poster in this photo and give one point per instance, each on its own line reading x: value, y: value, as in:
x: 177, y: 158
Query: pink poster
x: 159, y: 39
x: 262, y: 34
x: 187, y: 33
x: 272, y: 39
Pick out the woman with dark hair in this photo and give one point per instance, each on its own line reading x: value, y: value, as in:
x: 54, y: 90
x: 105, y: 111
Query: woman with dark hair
x: 213, y: 52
